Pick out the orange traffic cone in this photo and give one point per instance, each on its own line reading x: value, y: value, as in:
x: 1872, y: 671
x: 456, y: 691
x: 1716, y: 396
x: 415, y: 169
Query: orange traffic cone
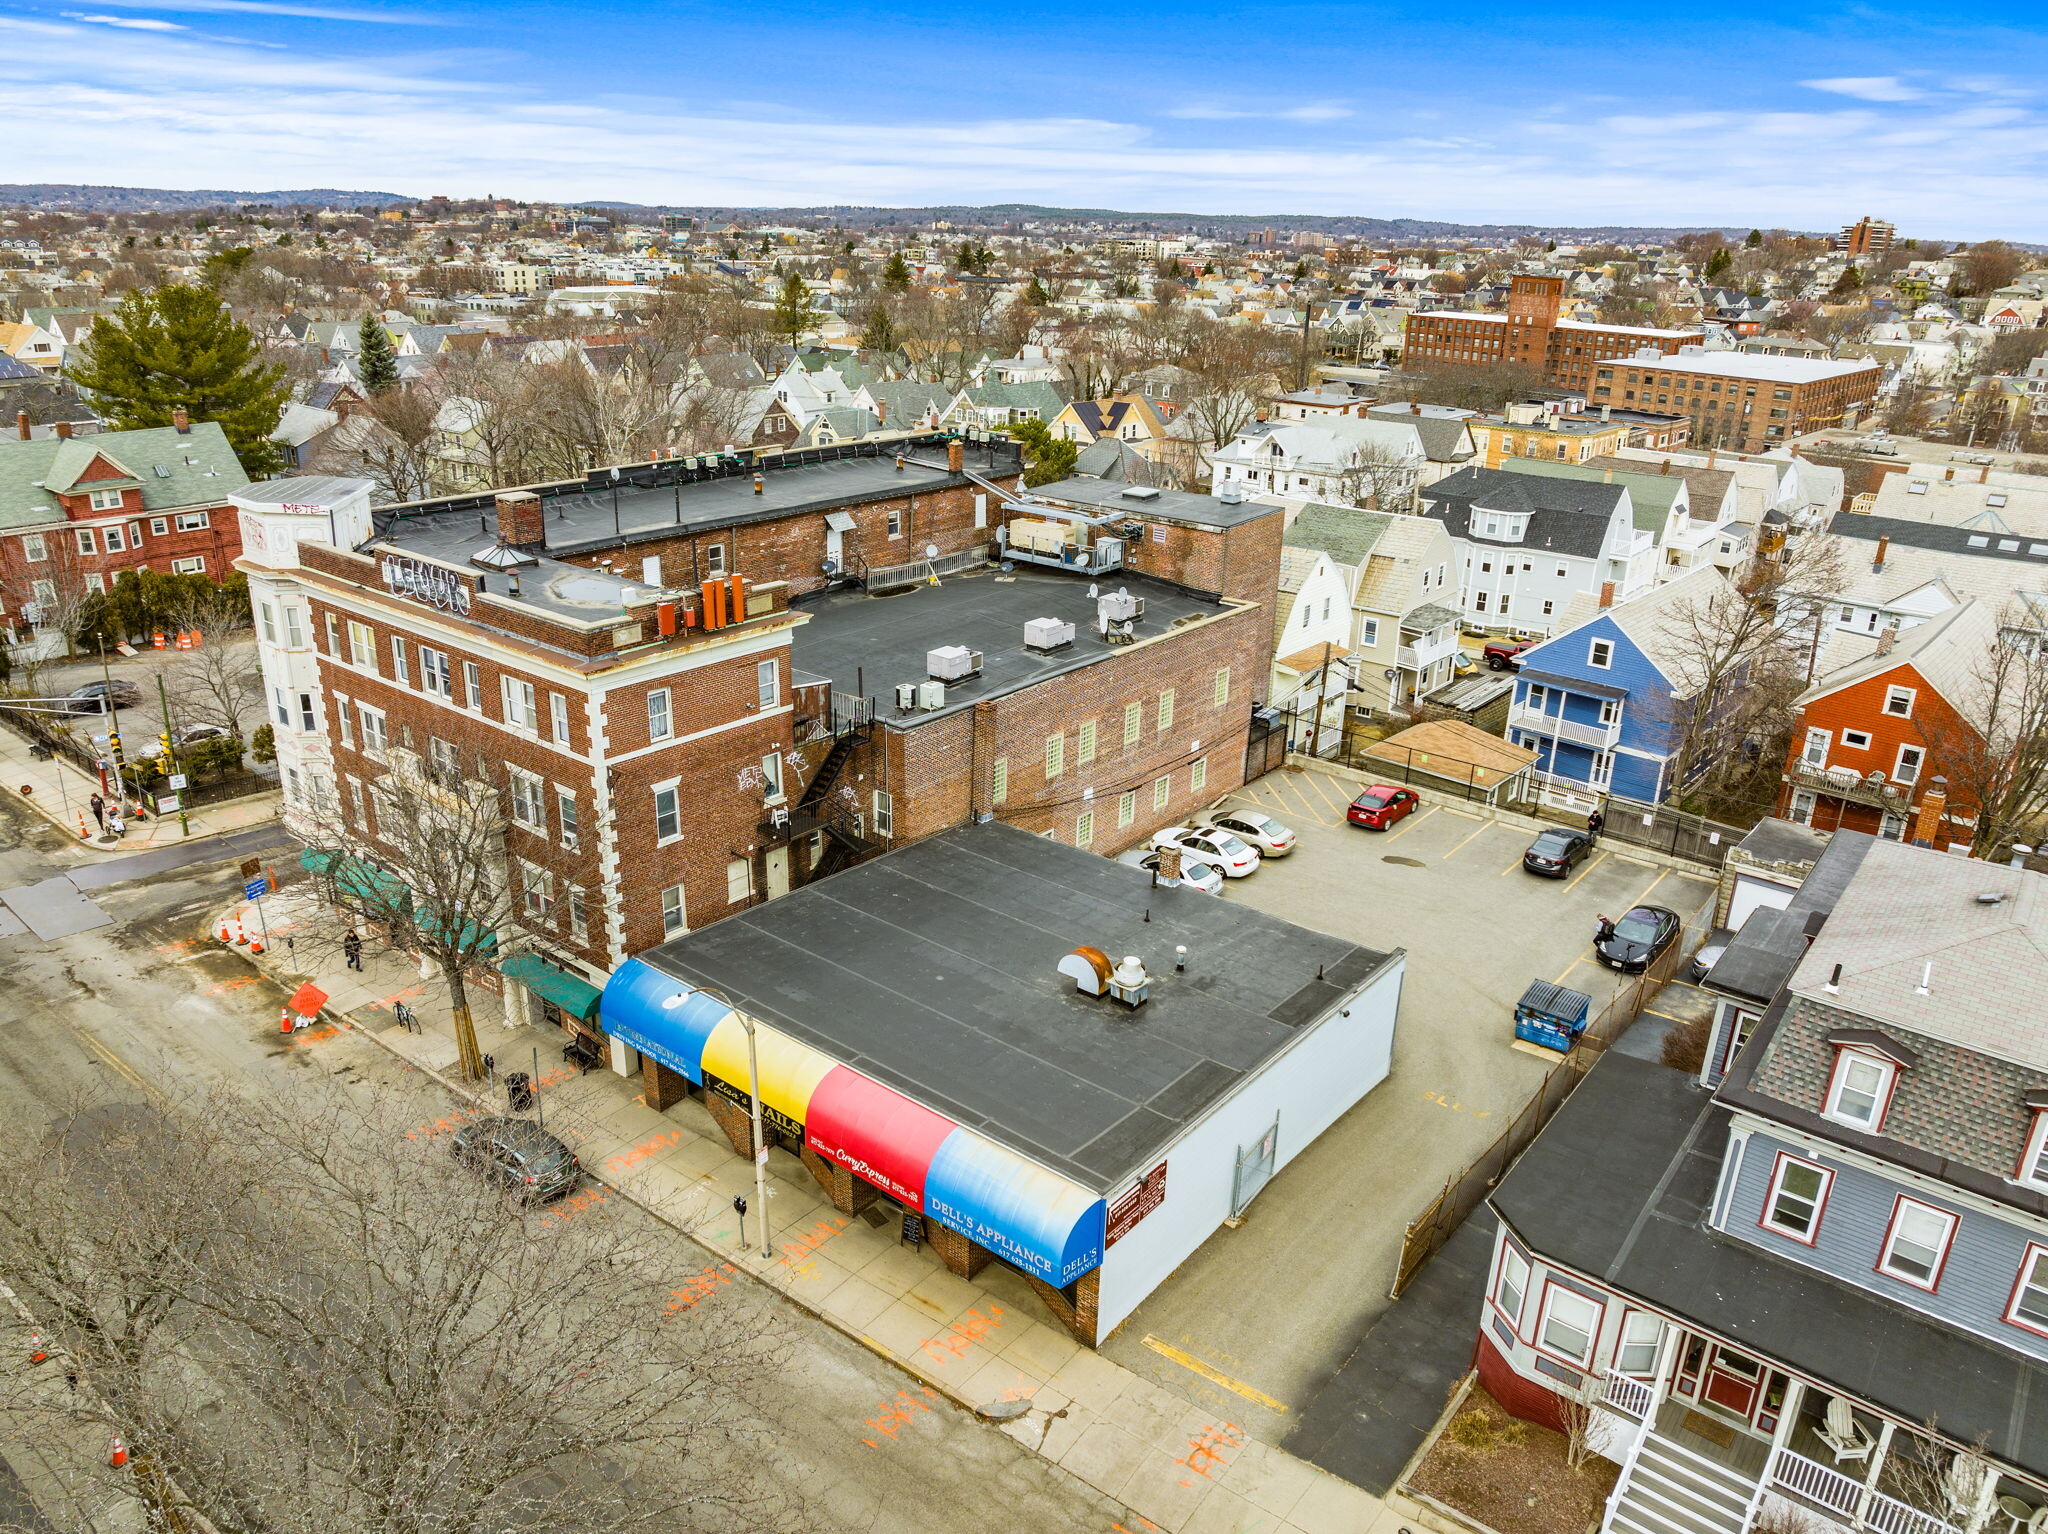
x: 284, y: 1019
x: 255, y: 943
x: 83, y: 834
x: 36, y: 1351
x: 117, y: 1456
x: 241, y: 937
x: 225, y: 935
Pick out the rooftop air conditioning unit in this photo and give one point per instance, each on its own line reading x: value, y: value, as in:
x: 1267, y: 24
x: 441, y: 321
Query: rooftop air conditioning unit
x: 1047, y: 634
x: 1119, y: 606
x: 1141, y: 492
x: 951, y: 663
x: 906, y: 696
x: 931, y: 695
x: 1230, y: 493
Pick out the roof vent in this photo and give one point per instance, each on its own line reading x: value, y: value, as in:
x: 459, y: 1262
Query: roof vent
x: 1230, y: 493
x: 1140, y: 492
x: 1991, y: 897
x: 501, y: 556
x: 1092, y: 973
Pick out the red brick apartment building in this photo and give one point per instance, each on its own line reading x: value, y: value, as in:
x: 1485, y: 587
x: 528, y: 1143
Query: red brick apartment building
x: 692, y: 698
x: 1530, y: 335
x: 1739, y: 400
x: 77, y: 511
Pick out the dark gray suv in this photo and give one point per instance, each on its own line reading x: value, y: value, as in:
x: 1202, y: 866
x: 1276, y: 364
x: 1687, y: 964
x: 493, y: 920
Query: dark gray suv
x: 524, y: 1157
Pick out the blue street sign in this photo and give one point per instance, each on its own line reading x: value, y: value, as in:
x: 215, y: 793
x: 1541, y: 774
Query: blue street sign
x: 255, y: 889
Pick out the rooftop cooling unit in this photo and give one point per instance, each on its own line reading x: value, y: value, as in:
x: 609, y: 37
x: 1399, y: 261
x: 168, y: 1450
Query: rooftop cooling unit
x: 951, y: 663
x: 1047, y: 634
x: 931, y: 695
x: 906, y: 696
x: 1119, y: 606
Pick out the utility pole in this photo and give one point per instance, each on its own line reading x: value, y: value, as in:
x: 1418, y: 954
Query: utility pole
x: 760, y: 1145
x: 172, y: 766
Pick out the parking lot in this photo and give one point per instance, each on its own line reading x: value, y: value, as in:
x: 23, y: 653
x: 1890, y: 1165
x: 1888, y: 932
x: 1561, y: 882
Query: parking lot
x: 1230, y: 1329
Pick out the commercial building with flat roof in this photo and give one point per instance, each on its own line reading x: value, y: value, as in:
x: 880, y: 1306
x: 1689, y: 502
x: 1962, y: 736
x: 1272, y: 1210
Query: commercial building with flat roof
x: 1739, y: 399
x: 1529, y: 335
x: 930, y: 1040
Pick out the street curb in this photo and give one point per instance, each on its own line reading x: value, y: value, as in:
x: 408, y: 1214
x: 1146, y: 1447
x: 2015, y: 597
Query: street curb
x: 125, y: 848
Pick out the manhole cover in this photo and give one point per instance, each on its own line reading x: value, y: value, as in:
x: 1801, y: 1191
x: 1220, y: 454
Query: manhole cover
x: 1404, y: 862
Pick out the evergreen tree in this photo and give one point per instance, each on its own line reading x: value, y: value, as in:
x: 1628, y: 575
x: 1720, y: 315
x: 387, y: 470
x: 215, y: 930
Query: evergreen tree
x: 376, y: 360
x: 878, y: 335
x: 1718, y: 263
x: 1847, y: 283
x: 1753, y: 239
x: 794, y: 316
x: 1038, y: 295
x: 177, y: 345
x: 1051, y: 458
x: 896, y: 275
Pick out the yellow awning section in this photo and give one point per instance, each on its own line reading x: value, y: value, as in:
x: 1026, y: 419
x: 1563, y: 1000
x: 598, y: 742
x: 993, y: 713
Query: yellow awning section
x: 790, y: 1071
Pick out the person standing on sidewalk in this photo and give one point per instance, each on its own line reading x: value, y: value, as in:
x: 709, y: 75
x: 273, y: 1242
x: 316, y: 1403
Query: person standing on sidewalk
x: 1595, y: 824
x: 116, y: 826
x: 99, y: 812
x: 352, y: 950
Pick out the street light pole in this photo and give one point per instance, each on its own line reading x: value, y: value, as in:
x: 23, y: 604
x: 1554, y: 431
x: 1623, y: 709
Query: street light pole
x: 760, y: 1145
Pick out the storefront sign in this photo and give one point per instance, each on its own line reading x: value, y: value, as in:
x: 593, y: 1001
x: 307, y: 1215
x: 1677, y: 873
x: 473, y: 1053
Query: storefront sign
x: 426, y: 583
x: 1127, y: 1211
x: 781, y: 1123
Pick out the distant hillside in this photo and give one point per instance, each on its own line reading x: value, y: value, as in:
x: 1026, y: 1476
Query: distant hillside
x: 55, y: 197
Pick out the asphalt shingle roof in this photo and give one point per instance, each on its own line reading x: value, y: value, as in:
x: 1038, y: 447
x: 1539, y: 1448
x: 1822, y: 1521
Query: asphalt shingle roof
x: 195, y: 468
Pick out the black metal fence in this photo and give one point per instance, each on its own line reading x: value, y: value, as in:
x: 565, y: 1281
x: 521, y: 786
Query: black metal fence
x: 50, y: 736
x: 1660, y: 827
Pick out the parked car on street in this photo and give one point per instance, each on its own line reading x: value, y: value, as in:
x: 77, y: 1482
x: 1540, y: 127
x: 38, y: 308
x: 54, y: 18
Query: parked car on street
x: 191, y: 734
x: 1556, y: 852
x: 1632, y: 944
x: 1710, y: 953
x: 1194, y: 873
x: 1267, y: 835
x: 524, y: 1157
x: 1381, y: 805
x: 1505, y: 654
x: 92, y: 697
x: 1212, y: 845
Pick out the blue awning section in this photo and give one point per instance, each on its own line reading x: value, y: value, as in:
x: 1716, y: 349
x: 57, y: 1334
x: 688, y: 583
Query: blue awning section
x: 660, y: 1016
x: 1029, y: 1217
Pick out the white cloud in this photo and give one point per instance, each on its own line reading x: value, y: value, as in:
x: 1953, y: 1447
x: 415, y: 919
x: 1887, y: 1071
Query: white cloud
x: 132, y: 23
x: 287, y: 8
x: 1869, y: 88
x: 1315, y: 113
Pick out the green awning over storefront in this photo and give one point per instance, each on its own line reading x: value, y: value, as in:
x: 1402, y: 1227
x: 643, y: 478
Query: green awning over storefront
x: 380, y: 890
x: 576, y: 997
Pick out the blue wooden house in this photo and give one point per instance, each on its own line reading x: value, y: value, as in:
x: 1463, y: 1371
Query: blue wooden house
x: 1604, y: 703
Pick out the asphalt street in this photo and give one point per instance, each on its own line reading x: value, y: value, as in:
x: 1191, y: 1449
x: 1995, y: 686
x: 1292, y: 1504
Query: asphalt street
x: 144, y: 1004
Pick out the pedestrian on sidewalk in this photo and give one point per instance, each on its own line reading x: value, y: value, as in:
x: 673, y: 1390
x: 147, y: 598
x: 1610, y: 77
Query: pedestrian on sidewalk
x: 99, y: 812
x: 116, y: 826
x: 1595, y: 824
x: 352, y: 950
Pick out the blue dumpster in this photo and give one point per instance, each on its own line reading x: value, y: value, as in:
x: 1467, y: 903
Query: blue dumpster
x: 1551, y: 1016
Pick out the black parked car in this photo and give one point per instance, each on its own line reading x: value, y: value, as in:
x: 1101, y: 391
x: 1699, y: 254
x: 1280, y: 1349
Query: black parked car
x: 1557, y: 852
x: 92, y: 697
x: 1631, y: 944
x: 524, y: 1157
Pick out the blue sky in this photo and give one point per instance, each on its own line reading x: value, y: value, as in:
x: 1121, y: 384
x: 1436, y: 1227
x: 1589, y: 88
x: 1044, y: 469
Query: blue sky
x: 1598, y: 113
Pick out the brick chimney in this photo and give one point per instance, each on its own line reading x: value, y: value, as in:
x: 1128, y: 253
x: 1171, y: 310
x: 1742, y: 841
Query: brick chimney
x: 1984, y: 475
x: 881, y: 412
x: 1607, y: 593
x: 1886, y: 638
x: 1884, y: 545
x: 1665, y: 467
x: 182, y: 419
x: 63, y: 428
x: 1932, y: 811
x: 521, y: 522
x: 956, y: 456
x: 1948, y: 474
x: 21, y: 425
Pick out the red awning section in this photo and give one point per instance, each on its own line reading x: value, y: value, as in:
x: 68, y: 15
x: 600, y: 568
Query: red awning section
x: 874, y: 1133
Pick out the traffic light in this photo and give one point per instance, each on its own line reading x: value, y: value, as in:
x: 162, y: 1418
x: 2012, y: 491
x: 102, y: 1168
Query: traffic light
x: 164, y: 760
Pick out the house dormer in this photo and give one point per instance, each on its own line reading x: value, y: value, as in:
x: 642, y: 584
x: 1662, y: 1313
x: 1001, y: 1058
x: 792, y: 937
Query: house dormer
x: 89, y: 483
x: 1499, y: 526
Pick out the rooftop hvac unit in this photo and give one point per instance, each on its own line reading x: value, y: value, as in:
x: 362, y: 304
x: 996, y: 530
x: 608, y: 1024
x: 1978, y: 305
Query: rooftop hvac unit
x: 906, y: 696
x: 1119, y: 606
x: 951, y: 663
x: 931, y: 695
x: 1047, y: 633
x: 1141, y: 492
x: 1230, y: 493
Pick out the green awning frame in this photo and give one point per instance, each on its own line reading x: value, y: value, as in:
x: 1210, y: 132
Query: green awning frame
x: 576, y: 997
x: 382, y: 890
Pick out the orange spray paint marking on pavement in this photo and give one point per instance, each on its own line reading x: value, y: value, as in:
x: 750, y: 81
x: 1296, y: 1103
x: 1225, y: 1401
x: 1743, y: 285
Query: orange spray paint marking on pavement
x: 962, y: 1334
x: 893, y: 1415
x: 568, y: 1208
x: 1207, y: 1450
x: 699, y: 1287
x: 634, y: 1155
x: 803, y: 1246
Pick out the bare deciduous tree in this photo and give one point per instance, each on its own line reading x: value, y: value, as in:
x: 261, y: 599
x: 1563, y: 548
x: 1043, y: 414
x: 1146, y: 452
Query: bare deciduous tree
x: 1996, y: 756
x: 302, y: 1320
x: 220, y: 683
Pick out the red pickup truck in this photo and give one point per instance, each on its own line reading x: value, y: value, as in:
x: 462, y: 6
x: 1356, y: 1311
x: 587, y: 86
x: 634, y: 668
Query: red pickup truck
x: 1503, y: 654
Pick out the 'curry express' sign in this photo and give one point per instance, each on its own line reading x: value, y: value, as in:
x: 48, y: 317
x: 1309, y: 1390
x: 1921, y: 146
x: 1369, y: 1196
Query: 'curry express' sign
x: 426, y: 583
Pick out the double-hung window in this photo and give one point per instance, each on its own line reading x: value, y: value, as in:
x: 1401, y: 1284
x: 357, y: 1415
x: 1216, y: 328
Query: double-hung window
x: 1513, y: 1288
x: 1917, y: 1244
x: 1641, y: 1332
x: 1166, y: 709
x: 1221, y: 692
x: 1860, y: 1089
x: 294, y: 629
x: 565, y: 816
x: 106, y: 500
x: 1084, y: 743
x: 1134, y: 722
x: 767, y: 685
x: 472, y: 684
x: 660, y: 721
x: 668, y: 813
x: 527, y: 803
x: 362, y: 646
x: 434, y: 677
x: 1055, y: 755
x: 266, y: 620
x: 999, y: 780
x: 401, y: 667
x: 673, y: 920
x: 558, y: 718
x: 1798, y: 1193
x: 375, y: 736
x: 1601, y: 653
x: 2029, y: 1304
x: 521, y: 710
x: 1570, y: 1323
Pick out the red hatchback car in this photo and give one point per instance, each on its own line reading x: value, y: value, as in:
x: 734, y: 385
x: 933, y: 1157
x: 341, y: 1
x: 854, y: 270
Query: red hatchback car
x: 1380, y: 806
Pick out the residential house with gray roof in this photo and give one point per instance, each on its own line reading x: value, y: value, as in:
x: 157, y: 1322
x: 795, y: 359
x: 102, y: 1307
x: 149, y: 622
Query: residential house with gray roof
x: 1399, y: 571
x: 1817, y: 1297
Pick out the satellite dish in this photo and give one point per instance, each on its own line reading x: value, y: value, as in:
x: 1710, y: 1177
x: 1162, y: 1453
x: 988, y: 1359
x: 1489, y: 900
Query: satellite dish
x: 931, y: 551
x: 831, y: 567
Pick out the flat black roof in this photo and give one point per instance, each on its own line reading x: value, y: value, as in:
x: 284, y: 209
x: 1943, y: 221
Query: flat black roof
x: 1159, y: 505
x: 881, y: 641
x: 932, y: 969
x: 1618, y: 1187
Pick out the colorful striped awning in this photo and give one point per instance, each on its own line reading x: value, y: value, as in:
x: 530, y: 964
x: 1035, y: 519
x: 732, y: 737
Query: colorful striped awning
x: 1032, y: 1218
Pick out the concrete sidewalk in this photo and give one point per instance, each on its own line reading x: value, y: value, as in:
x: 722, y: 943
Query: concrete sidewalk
x: 62, y: 794
x: 988, y: 1343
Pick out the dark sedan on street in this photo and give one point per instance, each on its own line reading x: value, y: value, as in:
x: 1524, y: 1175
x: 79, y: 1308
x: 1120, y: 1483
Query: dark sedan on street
x: 1632, y: 944
x: 1556, y: 852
